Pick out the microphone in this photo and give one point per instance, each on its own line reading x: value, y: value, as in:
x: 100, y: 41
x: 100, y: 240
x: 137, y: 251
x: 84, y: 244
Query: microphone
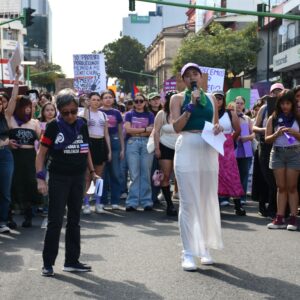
x: 194, y: 85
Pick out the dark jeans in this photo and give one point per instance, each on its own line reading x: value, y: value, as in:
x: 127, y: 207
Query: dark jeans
x: 64, y: 190
x: 6, y: 173
x: 244, y: 165
x: 112, y: 173
x: 24, y: 185
x: 264, y: 151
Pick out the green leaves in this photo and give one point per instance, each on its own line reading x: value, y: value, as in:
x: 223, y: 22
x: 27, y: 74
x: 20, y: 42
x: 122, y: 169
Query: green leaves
x: 232, y: 50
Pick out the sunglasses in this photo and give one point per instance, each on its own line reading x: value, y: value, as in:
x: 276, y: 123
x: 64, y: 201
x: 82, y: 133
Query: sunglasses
x: 219, y: 97
x: 139, y: 101
x: 71, y: 112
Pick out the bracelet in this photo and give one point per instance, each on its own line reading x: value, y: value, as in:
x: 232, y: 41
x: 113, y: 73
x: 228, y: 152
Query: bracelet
x: 41, y: 175
x: 92, y: 171
x: 189, y: 108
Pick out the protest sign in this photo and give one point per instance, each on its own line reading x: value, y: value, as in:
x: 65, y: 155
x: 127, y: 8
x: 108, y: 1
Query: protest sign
x: 14, y: 61
x: 215, y: 78
x: 89, y: 73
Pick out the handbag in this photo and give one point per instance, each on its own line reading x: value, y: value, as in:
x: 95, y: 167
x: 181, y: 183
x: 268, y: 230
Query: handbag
x: 150, y: 144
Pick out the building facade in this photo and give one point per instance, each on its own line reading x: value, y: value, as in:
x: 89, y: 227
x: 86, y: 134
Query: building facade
x: 160, y: 55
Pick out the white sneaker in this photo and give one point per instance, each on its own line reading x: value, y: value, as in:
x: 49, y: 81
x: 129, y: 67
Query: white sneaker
x: 123, y: 196
x: 188, y: 263
x: 99, y: 208
x: 115, y: 207
x: 160, y: 197
x: 206, y: 259
x: 86, y: 210
x: 4, y: 229
x: 175, y: 196
x: 224, y: 203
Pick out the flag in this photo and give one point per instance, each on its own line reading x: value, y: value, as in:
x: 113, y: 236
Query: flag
x: 134, y: 90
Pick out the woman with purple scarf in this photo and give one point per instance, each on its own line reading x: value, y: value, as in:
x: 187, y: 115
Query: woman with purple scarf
x: 23, y: 132
x: 66, y: 142
x: 283, y: 132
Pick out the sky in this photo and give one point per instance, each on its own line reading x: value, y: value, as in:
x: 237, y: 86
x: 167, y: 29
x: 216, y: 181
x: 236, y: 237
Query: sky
x: 79, y: 27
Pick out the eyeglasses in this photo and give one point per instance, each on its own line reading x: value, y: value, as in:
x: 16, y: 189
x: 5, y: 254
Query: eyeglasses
x: 136, y: 101
x: 71, y: 112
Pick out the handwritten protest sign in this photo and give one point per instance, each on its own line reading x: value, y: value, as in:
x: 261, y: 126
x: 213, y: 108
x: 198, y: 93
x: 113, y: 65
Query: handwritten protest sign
x: 14, y: 61
x: 89, y: 73
x: 215, y: 80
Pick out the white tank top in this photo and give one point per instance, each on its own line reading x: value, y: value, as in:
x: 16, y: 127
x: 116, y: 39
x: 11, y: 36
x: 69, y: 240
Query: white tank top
x: 225, y: 122
x: 96, y: 123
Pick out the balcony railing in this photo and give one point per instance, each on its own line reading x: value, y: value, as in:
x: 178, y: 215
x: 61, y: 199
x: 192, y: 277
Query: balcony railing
x: 289, y: 44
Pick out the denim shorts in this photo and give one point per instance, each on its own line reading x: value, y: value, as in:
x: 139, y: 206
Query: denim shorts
x: 285, y: 157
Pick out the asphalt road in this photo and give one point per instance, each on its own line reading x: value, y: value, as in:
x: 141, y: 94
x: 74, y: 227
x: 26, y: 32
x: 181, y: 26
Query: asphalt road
x: 136, y: 255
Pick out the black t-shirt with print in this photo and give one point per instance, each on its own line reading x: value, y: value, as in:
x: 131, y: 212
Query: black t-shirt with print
x: 69, y: 161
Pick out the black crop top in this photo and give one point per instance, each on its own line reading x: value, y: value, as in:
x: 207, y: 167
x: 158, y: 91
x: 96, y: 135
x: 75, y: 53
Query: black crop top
x: 4, y: 130
x: 23, y: 136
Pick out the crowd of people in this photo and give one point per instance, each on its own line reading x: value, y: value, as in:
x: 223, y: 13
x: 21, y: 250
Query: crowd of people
x: 52, y: 149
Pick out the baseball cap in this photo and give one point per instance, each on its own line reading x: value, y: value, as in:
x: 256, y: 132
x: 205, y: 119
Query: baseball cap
x: 276, y: 86
x: 190, y: 65
x: 218, y: 93
x: 153, y: 95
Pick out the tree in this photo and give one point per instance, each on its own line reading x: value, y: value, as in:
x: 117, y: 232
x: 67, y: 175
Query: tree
x: 45, y: 74
x: 126, y: 53
x: 219, y: 47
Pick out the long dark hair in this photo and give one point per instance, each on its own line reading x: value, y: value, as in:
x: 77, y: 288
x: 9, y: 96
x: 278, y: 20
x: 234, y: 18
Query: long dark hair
x: 166, y: 107
x: 286, y: 95
x: 2, y: 110
x: 22, y: 102
x: 43, y: 119
x: 146, y: 109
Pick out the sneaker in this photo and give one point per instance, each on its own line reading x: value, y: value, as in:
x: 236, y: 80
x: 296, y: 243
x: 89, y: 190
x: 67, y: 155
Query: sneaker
x: 206, y: 259
x: 148, y: 208
x: 224, y: 203
x: 99, y: 208
x: 115, y: 207
x: 47, y: 271
x: 123, y: 196
x: 12, y: 224
x: 78, y: 267
x: 277, y: 223
x: 4, y: 229
x: 292, y: 226
x: 130, y: 208
x: 188, y: 263
x: 86, y: 210
x: 160, y: 197
x: 176, y: 196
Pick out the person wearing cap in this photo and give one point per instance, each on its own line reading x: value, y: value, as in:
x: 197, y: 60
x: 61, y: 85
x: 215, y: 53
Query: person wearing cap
x: 229, y: 176
x: 196, y: 169
x: 266, y: 195
x: 155, y: 106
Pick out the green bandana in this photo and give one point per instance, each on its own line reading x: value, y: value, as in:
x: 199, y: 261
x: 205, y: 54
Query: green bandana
x: 188, y: 97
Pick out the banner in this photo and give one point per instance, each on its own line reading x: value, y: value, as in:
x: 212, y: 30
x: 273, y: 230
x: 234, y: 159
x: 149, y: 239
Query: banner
x: 89, y: 73
x: 215, y: 80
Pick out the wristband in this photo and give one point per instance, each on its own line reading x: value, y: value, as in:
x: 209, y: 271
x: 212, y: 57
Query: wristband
x: 41, y: 175
x: 92, y: 171
x: 189, y: 107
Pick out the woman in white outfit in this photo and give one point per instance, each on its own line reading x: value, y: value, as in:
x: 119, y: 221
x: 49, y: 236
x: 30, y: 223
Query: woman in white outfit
x: 196, y: 168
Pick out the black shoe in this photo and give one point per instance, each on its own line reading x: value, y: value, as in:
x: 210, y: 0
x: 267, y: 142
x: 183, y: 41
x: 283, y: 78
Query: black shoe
x: 78, y: 267
x: 12, y: 224
x: 130, y: 208
x: 47, y: 271
x: 171, y: 211
x: 27, y: 223
x: 148, y: 208
x: 240, y: 212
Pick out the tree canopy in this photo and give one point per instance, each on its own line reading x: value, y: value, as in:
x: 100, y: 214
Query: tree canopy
x: 45, y: 74
x: 126, y: 53
x: 219, y: 47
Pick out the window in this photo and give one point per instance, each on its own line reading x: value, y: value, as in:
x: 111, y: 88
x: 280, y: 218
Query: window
x: 10, y: 34
x: 291, y: 31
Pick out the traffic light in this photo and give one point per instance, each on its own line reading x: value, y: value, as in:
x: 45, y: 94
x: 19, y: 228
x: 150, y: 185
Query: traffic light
x: 27, y: 16
x: 261, y: 20
x: 132, y: 5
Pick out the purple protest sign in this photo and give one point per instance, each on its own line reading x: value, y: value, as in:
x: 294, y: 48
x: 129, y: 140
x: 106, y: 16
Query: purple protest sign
x: 169, y: 85
x: 254, y: 96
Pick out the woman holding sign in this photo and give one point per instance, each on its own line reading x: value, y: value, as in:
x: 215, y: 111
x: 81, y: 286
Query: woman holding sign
x: 283, y: 132
x: 196, y: 168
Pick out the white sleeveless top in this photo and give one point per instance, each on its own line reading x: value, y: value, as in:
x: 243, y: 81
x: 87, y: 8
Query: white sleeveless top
x: 225, y: 122
x: 282, y: 140
x: 168, y: 136
x: 96, y: 123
